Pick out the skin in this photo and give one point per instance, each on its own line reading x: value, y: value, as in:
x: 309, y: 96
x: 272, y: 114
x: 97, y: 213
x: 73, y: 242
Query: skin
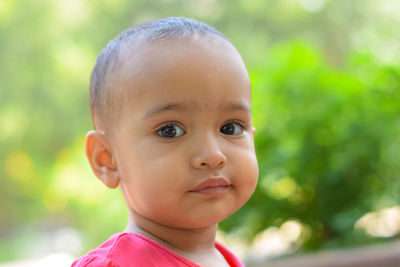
x: 194, y: 86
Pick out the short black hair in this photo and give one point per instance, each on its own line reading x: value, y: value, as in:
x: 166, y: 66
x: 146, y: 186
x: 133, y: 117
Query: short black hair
x: 105, y: 103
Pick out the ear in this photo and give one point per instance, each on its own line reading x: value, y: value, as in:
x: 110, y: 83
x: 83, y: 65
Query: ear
x: 254, y: 131
x: 101, y: 159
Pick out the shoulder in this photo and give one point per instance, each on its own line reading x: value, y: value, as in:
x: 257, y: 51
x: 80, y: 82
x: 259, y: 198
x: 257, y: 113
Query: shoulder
x: 115, y: 252
x: 99, y: 257
x: 128, y: 249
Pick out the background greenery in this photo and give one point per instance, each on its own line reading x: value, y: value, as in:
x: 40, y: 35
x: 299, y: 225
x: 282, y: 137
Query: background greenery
x: 325, y: 78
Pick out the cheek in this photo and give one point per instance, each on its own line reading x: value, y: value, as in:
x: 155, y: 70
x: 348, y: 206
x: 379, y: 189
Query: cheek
x: 247, y: 171
x: 250, y: 168
x: 152, y: 172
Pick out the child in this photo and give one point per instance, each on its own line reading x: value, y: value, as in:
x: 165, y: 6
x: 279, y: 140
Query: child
x: 170, y: 101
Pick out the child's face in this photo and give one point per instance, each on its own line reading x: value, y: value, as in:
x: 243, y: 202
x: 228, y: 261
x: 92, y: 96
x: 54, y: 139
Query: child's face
x: 187, y: 123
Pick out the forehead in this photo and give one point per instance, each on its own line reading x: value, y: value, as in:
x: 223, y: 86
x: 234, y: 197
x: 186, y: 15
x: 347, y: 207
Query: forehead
x: 199, y: 71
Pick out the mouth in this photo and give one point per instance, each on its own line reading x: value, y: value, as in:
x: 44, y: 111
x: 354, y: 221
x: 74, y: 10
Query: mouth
x: 212, y: 187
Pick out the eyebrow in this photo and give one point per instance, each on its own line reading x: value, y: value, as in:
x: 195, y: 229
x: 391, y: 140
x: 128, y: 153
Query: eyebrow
x: 183, y: 107
x: 237, y: 106
x: 164, y: 107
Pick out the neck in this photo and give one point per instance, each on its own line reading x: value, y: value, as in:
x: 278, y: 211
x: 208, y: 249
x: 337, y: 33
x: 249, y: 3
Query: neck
x: 176, y: 239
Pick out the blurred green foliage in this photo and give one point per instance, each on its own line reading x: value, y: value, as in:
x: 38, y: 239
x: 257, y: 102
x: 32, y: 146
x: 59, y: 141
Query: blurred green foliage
x: 325, y: 78
x: 327, y: 141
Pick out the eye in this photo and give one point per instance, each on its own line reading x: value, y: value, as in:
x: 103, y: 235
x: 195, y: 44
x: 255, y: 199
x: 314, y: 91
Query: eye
x: 232, y: 128
x: 170, y: 131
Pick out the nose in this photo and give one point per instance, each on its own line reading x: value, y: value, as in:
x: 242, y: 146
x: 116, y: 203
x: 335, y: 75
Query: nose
x: 207, y: 154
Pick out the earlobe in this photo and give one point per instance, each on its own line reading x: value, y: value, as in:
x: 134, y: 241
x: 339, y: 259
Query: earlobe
x: 101, y: 159
x: 254, y: 131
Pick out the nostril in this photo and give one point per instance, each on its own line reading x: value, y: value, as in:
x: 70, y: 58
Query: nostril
x: 222, y: 162
x: 209, y: 161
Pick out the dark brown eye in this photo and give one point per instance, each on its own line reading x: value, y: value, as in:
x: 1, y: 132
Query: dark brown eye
x: 231, y: 128
x: 170, y: 131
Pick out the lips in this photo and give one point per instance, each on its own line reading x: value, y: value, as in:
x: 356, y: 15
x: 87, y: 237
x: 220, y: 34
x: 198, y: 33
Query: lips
x: 212, y: 187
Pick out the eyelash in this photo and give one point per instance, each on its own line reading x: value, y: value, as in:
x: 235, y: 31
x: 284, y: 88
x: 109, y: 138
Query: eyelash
x: 182, y: 132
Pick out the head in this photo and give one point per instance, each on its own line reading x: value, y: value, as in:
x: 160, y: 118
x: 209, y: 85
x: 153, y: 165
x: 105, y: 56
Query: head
x: 171, y: 104
x: 106, y: 99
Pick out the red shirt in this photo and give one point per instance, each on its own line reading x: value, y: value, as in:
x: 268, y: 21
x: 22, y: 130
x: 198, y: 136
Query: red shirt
x: 129, y: 249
